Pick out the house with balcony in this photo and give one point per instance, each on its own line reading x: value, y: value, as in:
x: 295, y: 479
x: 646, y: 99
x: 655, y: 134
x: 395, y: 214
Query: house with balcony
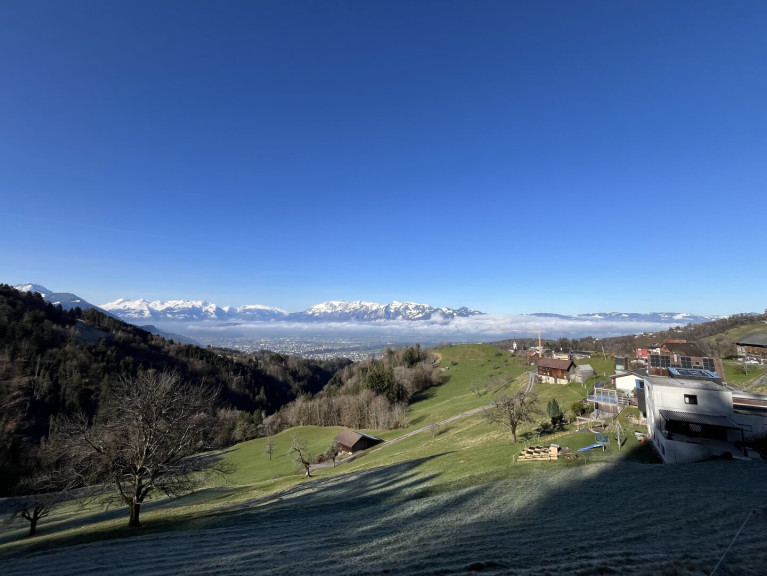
x: 692, y: 417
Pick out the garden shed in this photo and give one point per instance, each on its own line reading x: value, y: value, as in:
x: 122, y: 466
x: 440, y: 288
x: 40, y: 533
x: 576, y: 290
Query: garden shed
x: 584, y: 372
x: 351, y: 441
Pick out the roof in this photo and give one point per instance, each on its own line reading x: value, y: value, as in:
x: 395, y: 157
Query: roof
x: 684, y: 349
x: 694, y: 373
x: 645, y: 342
x: 350, y: 437
x: 585, y: 367
x: 758, y: 339
x: 642, y: 372
x: 687, y: 383
x: 555, y: 363
x: 696, y: 418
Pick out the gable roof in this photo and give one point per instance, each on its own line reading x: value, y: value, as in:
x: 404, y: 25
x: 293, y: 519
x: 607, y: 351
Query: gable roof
x: 684, y: 349
x: 350, y: 437
x: 758, y: 339
x: 555, y: 363
x: 585, y: 368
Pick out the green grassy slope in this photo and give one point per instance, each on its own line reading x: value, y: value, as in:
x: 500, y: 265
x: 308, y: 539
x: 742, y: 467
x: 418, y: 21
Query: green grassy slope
x: 458, y: 484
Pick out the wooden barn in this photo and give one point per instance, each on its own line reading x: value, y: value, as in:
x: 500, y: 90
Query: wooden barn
x: 351, y: 441
x: 553, y: 371
x: 753, y: 347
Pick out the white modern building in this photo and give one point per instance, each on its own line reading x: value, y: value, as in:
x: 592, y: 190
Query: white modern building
x: 691, y: 419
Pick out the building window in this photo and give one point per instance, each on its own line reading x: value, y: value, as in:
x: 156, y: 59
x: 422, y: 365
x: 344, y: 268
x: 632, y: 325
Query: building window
x: 708, y: 364
x: 686, y: 362
x: 690, y: 399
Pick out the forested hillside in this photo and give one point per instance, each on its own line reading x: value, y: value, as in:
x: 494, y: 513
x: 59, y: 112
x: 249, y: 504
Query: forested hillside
x: 55, y: 362
x: 710, y: 335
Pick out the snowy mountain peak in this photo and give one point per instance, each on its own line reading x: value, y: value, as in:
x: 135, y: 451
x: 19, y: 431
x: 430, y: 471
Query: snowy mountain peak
x: 32, y: 288
x: 66, y: 300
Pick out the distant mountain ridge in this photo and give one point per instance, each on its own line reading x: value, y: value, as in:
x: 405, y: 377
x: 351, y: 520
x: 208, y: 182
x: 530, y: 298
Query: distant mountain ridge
x: 332, y: 311
x: 143, y: 311
x: 659, y: 317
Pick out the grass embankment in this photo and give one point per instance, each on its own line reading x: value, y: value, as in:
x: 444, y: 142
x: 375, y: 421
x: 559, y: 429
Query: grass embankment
x: 466, y: 452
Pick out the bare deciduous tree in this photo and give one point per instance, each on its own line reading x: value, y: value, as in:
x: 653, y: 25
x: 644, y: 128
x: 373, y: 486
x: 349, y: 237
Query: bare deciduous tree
x: 269, y: 447
x: 152, y: 426
x: 299, y: 453
x: 511, y: 411
x: 333, y: 451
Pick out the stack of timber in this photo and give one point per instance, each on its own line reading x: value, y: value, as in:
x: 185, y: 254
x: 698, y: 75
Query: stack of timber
x: 540, y: 453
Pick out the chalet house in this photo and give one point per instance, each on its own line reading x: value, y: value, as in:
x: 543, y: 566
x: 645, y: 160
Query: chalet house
x: 554, y: 371
x: 753, y: 347
x: 681, y: 354
x: 583, y: 373
x: 691, y: 419
x: 350, y: 441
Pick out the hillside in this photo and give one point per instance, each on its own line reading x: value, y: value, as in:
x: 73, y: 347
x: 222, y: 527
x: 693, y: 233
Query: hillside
x: 448, y: 501
x: 57, y: 362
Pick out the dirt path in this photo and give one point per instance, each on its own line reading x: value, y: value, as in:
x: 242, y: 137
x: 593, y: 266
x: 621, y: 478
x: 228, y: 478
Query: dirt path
x: 321, y: 465
x: 426, y: 428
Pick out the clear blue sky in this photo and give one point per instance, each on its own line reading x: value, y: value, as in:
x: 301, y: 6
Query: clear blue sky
x: 507, y: 156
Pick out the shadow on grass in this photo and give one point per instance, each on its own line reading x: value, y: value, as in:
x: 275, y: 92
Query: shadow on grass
x: 424, y: 395
x: 318, y: 496
x: 609, y: 514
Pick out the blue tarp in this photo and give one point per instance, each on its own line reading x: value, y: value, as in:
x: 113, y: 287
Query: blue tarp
x: 586, y: 448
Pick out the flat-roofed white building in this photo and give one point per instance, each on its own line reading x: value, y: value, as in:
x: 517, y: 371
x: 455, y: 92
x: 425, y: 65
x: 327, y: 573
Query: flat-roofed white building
x: 694, y: 419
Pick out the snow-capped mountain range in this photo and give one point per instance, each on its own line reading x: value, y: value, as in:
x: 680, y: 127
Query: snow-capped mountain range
x: 143, y: 311
x: 334, y: 311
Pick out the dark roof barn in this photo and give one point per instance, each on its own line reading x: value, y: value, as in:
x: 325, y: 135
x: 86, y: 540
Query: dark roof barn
x: 351, y: 441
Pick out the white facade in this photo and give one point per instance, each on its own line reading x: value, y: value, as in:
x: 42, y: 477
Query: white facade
x: 690, y: 420
x: 627, y: 382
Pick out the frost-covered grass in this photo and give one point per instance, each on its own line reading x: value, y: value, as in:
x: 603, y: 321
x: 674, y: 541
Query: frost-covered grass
x: 538, y: 518
x: 452, y: 502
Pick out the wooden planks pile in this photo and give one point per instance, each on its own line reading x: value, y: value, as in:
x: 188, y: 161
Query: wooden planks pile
x: 540, y: 453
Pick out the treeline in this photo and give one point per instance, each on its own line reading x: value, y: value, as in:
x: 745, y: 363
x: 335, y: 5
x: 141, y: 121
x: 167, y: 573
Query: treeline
x: 709, y: 335
x: 57, y: 362
x: 372, y: 394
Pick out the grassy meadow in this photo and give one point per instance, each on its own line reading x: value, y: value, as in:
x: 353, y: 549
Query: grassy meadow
x: 449, y: 500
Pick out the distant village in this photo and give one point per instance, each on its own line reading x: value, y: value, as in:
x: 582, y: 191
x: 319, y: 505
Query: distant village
x: 682, y: 395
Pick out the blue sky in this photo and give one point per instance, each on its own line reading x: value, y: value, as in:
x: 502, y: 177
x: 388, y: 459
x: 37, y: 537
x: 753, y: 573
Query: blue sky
x: 512, y: 157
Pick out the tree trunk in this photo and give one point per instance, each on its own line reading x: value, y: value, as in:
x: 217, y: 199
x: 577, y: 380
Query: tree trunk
x: 32, y: 526
x: 135, y: 508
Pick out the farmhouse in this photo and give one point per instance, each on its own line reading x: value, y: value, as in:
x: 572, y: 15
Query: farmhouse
x: 691, y: 419
x: 753, y: 347
x: 351, y: 441
x: 553, y: 371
